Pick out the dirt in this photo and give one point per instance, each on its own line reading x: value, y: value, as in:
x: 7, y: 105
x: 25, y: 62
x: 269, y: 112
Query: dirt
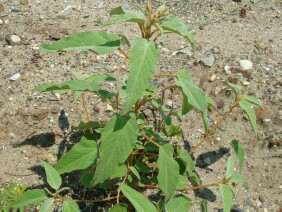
x: 31, y: 126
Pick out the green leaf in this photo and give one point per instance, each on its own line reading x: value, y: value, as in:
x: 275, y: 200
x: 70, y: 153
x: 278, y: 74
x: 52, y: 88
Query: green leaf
x: 233, y: 87
x: 186, y: 107
x: 181, y: 184
x: 194, y: 179
x: 70, y: 206
x: 118, y: 208
x: 31, y: 197
x: 226, y: 195
x: 88, y: 125
x: 195, y: 96
x: 142, y: 167
x: 204, y: 207
x: 101, y: 78
x: 47, y: 205
x: 240, y: 153
x: 138, y: 200
x: 100, y: 42
x: 247, y: 107
x: 230, y: 167
x: 178, y: 204
x: 77, y: 75
x: 71, y: 85
x: 175, y: 25
x: 118, y: 138
x: 168, y: 171
x: 135, y: 172
x: 253, y: 100
x: 119, y: 172
x: 53, y: 177
x: 144, y: 57
x: 188, y: 160
x: 125, y: 16
x: 81, y: 156
x: 238, y: 178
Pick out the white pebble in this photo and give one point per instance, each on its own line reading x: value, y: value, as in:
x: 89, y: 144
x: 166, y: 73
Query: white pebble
x: 169, y: 104
x: 246, y: 64
x: 212, y: 78
x: 109, y: 108
x: 1, y: 22
x: 227, y: 69
x: 15, y: 76
x: 15, y: 39
x: 246, y: 83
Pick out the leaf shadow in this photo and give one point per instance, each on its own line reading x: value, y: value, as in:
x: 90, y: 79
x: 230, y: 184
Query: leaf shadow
x: 40, y: 140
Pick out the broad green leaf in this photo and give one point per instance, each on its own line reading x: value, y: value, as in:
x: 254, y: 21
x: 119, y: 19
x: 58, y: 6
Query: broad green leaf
x: 195, y: 96
x: 118, y: 138
x: 247, y: 107
x: 77, y: 75
x: 126, y: 16
x: 142, y: 167
x: 71, y: 85
x: 194, y: 179
x: 188, y: 160
x: 186, y: 107
x: 119, y: 172
x: 117, y: 11
x: 230, y: 167
x: 182, y: 183
x: 100, y: 42
x: 175, y: 25
x: 31, y: 197
x: 240, y: 153
x: 168, y: 171
x: 81, y: 156
x: 204, y: 207
x: 135, y: 172
x: 53, y: 177
x: 238, y: 178
x: 47, y: 205
x: 101, y: 78
x: 70, y: 206
x: 124, y: 40
x: 178, y: 204
x: 138, y: 200
x: 118, y: 208
x: 253, y: 100
x: 144, y: 57
x: 233, y: 87
x: 226, y: 195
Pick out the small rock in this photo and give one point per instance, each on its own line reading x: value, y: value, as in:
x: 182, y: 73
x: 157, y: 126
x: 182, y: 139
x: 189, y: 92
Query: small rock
x: 212, y: 78
x: 261, y: 198
x: 15, y: 76
x: 208, y: 61
x: 55, y: 110
x: 2, y: 8
x: 220, y: 103
x: 165, y: 50
x: 40, y: 114
x: 227, y: 69
x: 274, y: 8
x: 109, y: 108
x: 259, y: 203
x: 169, y: 104
x: 246, y: 83
x: 55, y: 35
x: 246, y: 64
x: 184, y: 50
x: 23, y: 2
x: 3, y: 134
x: 249, y: 202
x: 14, y: 39
x: 24, y: 77
x: 1, y: 22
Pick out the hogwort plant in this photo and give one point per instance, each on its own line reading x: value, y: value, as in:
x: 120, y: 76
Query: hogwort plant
x: 129, y: 154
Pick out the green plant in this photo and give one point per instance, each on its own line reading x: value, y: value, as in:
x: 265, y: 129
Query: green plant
x: 128, y: 154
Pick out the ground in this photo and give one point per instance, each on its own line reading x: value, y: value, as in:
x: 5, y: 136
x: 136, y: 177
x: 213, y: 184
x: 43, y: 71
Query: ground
x: 29, y: 127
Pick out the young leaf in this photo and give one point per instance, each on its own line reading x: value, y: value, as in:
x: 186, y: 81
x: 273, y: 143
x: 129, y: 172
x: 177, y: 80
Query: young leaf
x: 247, y: 107
x: 253, y: 100
x: 53, y: 177
x: 31, y: 197
x: 181, y: 182
x: 195, y: 96
x: 70, y: 206
x: 230, y: 167
x: 175, y: 25
x: 240, y: 153
x: 144, y: 57
x: 140, y: 202
x: 118, y: 208
x: 233, y: 87
x: 226, y: 195
x: 47, y: 205
x: 188, y: 160
x: 100, y: 42
x: 238, y: 178
x: 168, y: 171
x: 125, y: 16
x: 204, y: 207
x: 178, y: 204
x: 135, y: 172
x: 81, y: 156
x: 118, y: 138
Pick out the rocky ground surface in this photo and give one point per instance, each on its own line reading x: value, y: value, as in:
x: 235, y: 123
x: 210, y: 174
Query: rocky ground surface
x: 226, y: 33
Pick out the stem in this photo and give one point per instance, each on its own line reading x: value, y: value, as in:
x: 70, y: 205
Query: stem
x: 151, y: 140
x: 214, y: 128
x: 142, y: 30
x: 165, y: 75
x: 85, y: 109
x: 123, y: 52
x: 123, y: 181
x: 100, y: 200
